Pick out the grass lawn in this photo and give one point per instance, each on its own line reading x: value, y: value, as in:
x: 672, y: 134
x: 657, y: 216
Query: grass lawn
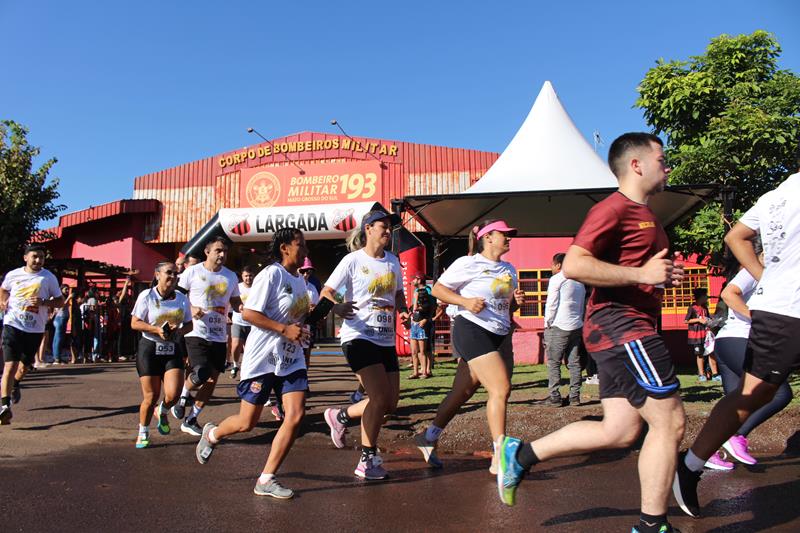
x: 530, y: 382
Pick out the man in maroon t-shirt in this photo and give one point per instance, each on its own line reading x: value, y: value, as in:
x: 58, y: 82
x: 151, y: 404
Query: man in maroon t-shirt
x: 622, y: 251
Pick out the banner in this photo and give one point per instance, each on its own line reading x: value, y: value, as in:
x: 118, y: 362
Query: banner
x: 318, y: 183
x: 325, y: 221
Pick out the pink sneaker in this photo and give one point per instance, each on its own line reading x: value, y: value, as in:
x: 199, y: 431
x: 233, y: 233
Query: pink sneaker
x: 337, y: 428
x: 737, y: 447
x: 715, y: 462
x: 371, y: 468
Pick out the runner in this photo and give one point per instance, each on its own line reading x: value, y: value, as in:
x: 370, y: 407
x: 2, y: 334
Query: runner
x: 307, y: 271
x: 773, y: 347
x: 621, y: 250
x: 486, y: 291
x: 211, y: 288
x: 372, y: 279
x: 160, y: 313
x: 26, y: 296
x: 240, y: 327
x: 277, y: 305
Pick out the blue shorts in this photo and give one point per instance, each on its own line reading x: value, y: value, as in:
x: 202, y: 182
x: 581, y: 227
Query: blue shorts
x: 418, y: 332
x: 256, y: 390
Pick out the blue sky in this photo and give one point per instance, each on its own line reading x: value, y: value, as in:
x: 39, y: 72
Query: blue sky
x: 116, y: 90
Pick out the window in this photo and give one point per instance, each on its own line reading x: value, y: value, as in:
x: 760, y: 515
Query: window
x: 678, y: 299
x: 534, y: 282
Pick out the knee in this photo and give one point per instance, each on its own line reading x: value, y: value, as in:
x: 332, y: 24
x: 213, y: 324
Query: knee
x: 293, y: 417
x: 622, y: 436
x: 149, y: 398
x: 200, y: 375
x: 501, y: 392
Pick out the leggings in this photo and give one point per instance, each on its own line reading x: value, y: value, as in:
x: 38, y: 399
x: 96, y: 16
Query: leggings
x: 730, y: 356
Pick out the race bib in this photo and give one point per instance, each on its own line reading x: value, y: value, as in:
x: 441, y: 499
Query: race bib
x: 288, y: 354
x: 381, y: 323
x: 500, y: 305
x: 165, y: 348
x: 215, y: 324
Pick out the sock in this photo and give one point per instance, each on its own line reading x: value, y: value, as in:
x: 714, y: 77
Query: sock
x: 184, y: 392
x: 368, y: 451
x: 649, y: 523
x: 342, y: 417
x: 694, y: 463
x: 195, y: 411
x: 162, y: 410
x: 526, y: 456
x: 6, y: 401
x: 144, y: 430
x: 212, y: 436
x: 263, y: 478
x: 432, y: 433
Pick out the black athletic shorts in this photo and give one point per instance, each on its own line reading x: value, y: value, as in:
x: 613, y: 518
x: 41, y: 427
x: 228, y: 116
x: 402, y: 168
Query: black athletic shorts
x: 471, y: 340
x: 636, y: 370
x: 209, y: 354
x: 240, y: 332
x: 150, y: 363
x: 20, y: 346
x: 361, y: 353
x: 773, y: 349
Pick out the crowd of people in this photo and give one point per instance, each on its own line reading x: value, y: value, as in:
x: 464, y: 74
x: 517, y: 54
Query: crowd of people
x: 620, y: 257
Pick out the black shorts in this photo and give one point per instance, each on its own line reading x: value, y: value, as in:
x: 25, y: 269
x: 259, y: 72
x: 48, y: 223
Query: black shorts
x: 240, y: 332
x: 149, y: 363
x: 697, y: 349
x: 636, y: 370
x: 773, y: 349
x: 208, y: 354
x: 20, y: 346
x: 471, y: 340
x: 361, y: 353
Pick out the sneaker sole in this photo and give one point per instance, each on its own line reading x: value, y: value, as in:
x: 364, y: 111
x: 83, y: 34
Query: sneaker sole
x: 271, y: 495
x: 728, y: 448
x: 713, y: 466
x: 333, y: 430
x: 676, y: 491
x: 190, y: 431
x: 363, y: 475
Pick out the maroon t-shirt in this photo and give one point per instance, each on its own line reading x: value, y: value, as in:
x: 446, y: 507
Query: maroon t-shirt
x: 621, y: 232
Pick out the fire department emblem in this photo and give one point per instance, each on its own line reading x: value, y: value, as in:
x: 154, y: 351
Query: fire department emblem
x: 263, y: 189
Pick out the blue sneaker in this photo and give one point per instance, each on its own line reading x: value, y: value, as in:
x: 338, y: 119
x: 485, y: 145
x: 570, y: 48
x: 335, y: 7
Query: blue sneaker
x: 509, y: 471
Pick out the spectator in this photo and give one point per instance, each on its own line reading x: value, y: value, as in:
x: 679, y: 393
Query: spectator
x: 697, y: 317
x: 60, y: 325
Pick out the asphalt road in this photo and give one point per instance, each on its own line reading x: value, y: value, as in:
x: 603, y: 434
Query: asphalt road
x: 68, y: 464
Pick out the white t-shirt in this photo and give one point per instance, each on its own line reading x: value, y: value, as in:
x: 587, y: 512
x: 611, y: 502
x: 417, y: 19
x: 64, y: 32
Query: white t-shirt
x: 475, y: 276
x: 371, y: 283
x: 313, y: 293
x: 244, y: 292
x: 565, y: 303
x: 22, y: 286
x: 737, y: 325
x: 150, y: 307
x: 212, y: 292
x: 776, y: 216
x: 282, y: 297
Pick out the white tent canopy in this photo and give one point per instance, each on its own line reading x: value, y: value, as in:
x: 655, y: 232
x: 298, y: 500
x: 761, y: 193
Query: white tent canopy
x: 543, y: 183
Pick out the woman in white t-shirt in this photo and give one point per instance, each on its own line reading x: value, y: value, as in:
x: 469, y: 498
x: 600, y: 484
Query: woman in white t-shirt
x: 372, y: 281
x: 307, y: 270
x: 161, y: 314
x: 730, y: 347
x: 485, y: 289
x: 273, y: 360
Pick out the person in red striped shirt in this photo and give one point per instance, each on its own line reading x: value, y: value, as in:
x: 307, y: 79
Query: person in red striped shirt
x: 697, y: 318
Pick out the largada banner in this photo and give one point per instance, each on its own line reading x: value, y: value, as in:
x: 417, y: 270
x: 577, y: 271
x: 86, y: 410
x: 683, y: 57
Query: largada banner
x: 317, y: 183
x: 320, y: 221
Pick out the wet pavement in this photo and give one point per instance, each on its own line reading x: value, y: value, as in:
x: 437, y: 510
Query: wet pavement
x: 68, y: 464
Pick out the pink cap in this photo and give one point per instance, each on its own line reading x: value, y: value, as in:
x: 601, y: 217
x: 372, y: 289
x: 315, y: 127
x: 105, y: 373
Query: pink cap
x: 499, y: 225
x: 306, y: 264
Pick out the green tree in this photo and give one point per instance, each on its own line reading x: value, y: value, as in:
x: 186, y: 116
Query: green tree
x: 26, y: 197
x: 730, y: 117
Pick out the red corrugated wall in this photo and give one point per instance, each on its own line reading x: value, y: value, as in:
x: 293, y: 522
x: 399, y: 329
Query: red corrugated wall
x: 191, y: 193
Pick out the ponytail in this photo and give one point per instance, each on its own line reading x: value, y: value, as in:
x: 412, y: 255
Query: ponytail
x: 475, y: 245
x: 356, y: 240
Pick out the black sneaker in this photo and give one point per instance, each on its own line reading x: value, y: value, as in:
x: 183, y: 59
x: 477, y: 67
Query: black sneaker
x: 555, y: 401
x: 5, y: 415
x: 665, y: 528
x: 191, y: 427
x: 575, y: 402
x: 16, y: 395
x: 684, y: 487
x: 179, y: 409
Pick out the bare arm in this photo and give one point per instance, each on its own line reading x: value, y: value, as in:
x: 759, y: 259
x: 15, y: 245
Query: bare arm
x: 732, y: 295
x: 4, y: 294
x: 582, y: 266
x: 123, y: 292
x: 739, y: 240
x: 137, y: 324
x: 444, y: 294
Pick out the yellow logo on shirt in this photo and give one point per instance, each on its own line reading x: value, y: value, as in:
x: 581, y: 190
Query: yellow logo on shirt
x: 381, y: 285
x: 216, y: 290
x: 300, y: 307
x: 501, y: 286
x: 644, y: 225
x: 174, y: 317
x: 26, y: 293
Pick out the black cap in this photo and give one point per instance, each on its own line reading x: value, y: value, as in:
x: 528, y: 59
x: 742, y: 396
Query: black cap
x: 376, y: 215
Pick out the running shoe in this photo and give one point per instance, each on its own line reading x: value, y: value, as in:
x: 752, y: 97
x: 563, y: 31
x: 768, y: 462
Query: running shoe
x: 274, y: 489
x: 665, y: 528
x: 371, y: 468
x: 716, y: 462
x: 555, y: 401
x: 205, y: 448
x: 428, y: 450
x: 509, y: 471
x: 701, y: 379
x: 716, y: 377
x: 592, y: 380
x: 234, y: 372
x: 277, y: 412
x: 16, y: 394
x: 143, y: 440
x: 338, y: 429
x: 191, y: 427
x: 179, y: 409
x: 356, y: 397
x: 162, y: 421
x: 5, y: 415
x: 684, y: 487
x: 575, y: 401
x: 737, y: 447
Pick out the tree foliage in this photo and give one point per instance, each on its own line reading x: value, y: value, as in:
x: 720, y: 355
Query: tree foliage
x: 731, y: 117
x: 26, y: 197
